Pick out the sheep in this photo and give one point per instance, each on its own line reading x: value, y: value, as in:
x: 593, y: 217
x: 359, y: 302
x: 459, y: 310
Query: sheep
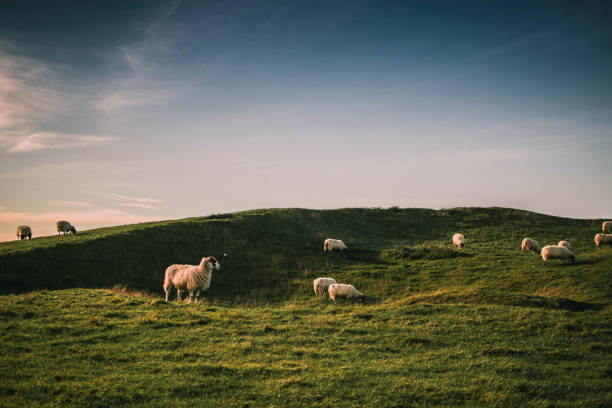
x: 64, y: 226
x: 344, y: 290
x: 321, y: 285
x: 23, y: 231
x: 565, y: 244
x: 557, y: 252
x: 606, y: 226
x: 334, y: 244
x: 194, y: 278
x: 531, y: 245
x: 603, y: 239
x: 459, y: 240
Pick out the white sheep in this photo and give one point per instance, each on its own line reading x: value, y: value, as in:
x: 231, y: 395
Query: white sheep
x: 606, y: 226
x: 321, y: 285
x: 603, y: 239
x: 334, y: 245
x: 344, y: 290
x: 531, y: 245
x: 23, y: 231
x: 194, y: 278
x: 459, y: 240
x: 557, y: 252
x: 64, y: 226
x: 565, y: 244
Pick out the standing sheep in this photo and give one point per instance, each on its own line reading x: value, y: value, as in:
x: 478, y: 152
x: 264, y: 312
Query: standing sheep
x: 606, y: 226
x: 321, y: 285
x: 459, y: 240
x: 531, y: 245
x: 557, y: 252
x: 23, y: 231
x: 194, y: 278
x: 603, y: 239
x: 343, y: 290
x: 565, y: 244
x: 334, y: 245
x: 64, y: 226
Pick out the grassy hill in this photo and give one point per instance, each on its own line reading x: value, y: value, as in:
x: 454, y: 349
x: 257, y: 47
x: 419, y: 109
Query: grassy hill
x: 273, y: 255
x: 485, y: 326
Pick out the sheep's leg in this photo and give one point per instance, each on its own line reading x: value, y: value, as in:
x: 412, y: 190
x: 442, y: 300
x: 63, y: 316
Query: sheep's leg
x: 178, y: 295
x: 166, y: 290
x: 190, y: 296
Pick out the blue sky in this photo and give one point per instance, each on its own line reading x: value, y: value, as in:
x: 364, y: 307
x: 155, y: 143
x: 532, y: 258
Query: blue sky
x: 119, y: 112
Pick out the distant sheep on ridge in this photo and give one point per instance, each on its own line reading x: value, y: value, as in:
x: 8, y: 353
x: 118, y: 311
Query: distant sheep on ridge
x: 23, y: 231
x: 64, y: 226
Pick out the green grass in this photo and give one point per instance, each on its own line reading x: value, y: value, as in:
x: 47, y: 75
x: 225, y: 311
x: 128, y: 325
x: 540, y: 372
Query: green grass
x: 483, y: 326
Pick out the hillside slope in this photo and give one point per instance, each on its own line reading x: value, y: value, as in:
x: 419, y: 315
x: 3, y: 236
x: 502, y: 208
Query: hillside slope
x: 274, y: 254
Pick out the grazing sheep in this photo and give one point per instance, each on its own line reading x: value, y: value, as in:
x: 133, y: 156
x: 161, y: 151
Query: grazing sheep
x: 459, y: 240
x: 531, y: 245
x: 334, y: 245
x: 321, y: 285
x: 606, y: 226
x: 557, y: 252
x: 603, y: 239
x: 23, y: 231
x: 565, y: 244
x: 194, y: 278
x: 343, y: 290
x: 64, y: 226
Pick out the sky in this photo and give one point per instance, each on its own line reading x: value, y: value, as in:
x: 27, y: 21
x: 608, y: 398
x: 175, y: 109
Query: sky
x: 115, y: 112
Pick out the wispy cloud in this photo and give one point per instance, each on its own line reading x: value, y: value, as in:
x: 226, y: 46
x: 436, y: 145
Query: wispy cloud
x: 133, y: 97
x: 128, y: 201
x: 58, y: 140
x: 70, y: 203
x: 144, y: 67
x: 120, y: 197
x: 31, y: 99
x: 28, y: 93
x: 138, y: 205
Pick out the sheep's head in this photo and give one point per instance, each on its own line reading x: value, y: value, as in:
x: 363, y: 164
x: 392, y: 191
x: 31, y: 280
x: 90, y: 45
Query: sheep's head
x: 214, y: 263
x: 73, y: 230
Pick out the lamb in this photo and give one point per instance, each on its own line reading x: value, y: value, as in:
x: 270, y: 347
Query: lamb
x: 64, y: 226
x: 606, y: 226
x: 344, y: 290
x: 459, y: 240
x: 334, y: 244
x: 23, y: 231
x: 603, y: 239
x: 565, y: 244
x: 557, y: 252
x: 531, y: 245
x: 321, y: 285
x: 194, y: 278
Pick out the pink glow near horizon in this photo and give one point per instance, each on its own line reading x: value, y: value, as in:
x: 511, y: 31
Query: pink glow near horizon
x: 43, y: 224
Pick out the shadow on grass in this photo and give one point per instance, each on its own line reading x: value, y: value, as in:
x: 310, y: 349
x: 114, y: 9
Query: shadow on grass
x: 505, y: 299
